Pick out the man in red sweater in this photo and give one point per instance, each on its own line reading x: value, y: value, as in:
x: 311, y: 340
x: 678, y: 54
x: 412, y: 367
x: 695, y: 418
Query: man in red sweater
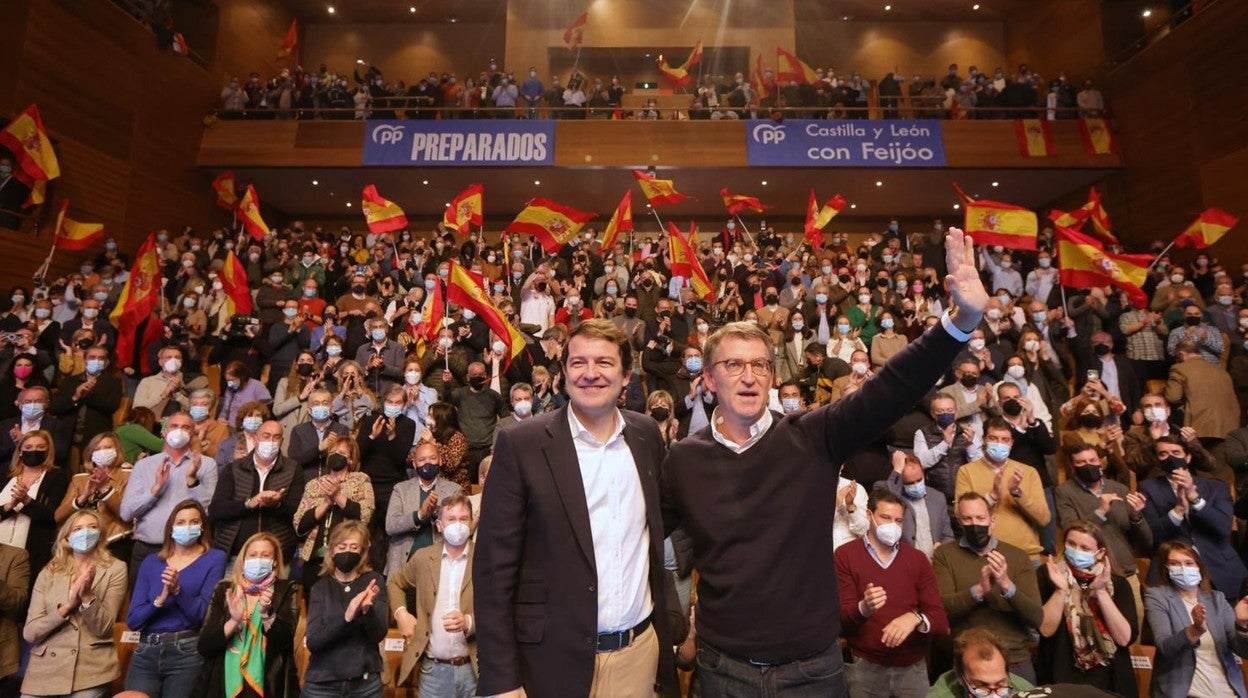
x: 890, y: 605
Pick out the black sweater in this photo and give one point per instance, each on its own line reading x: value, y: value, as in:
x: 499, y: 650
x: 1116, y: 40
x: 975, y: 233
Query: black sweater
x: 761, y: 521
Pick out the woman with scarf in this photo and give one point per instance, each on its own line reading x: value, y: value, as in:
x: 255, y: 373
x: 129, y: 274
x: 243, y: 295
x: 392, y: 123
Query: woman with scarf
x: 248, y: 638
x: 1089, y: 616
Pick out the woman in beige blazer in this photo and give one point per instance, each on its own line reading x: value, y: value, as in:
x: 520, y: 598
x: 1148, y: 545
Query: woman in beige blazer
x: 72, y: 610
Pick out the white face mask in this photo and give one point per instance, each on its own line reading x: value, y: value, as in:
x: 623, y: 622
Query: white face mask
x: 104, y: 457
x: 859, y: 368
x: 888, y: 533
x: 267, y: 450
x: 456, y: 534
x: 1031, y: 345
x: 1155, y: 414
x: 523, y: 408
x: 172, y: 365
x: 1016, y: 371
x: 977, y: 344
x: 412, y: 377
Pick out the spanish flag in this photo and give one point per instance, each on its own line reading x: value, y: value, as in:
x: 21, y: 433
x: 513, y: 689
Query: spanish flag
x: 997, y: 223
x: 1094, y: 211
x: 234, y: 284
x: 138, y: 299
x: 464, y: 291
x: 26, y: 137
x: 553, y: 224
x: 1207, y: 229
x: 466, y: 208
x: 38, y: 194
x: 223, y: 185
x: 72, y: 235
x: 790, y: 68
x: 1097, y: 138
x: 658, y: 192
x: 291, y: 40
x: 431, y: 315
x: 685, y: 263
x: 574, y: 35
x: 813, y: 235
x: 249, y: 207
x: 759, y: 81
x: 830, y: 208
x: 382, y: 215
x: 736, y: 203
x: 1082, y: 263
x: 1035, y: 137
x: 621, y: 222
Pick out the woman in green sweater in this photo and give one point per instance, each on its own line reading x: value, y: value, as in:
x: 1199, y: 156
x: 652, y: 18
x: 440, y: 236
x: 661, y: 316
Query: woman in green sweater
x: 137, y: 435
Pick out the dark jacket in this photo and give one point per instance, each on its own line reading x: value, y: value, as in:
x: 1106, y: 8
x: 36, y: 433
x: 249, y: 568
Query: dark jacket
x: 281, y: 680
x: 41, y: 510
x: 234, y: 522
x: 97, y: 407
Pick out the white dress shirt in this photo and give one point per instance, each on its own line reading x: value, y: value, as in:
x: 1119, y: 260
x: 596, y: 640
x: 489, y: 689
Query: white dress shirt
x: 617, y: 521
x: 442, y: 644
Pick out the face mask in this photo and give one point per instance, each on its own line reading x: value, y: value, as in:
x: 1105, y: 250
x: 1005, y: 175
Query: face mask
x: 1091, y: 421
x: 428, y: 471
x: 445, y: 342
x: 1089, y: 474
x: 917, y: 490
x: 412, y: 377
x: 304, y: 370
x: 986, y: 693
x: 336, y: 461
x: 977, y: 535
x: 1045, y: 262
x: 95, y: 366
x: 33, y: 410
x: 251, y: 424
x: 290, y: 312
x: 523, y: 408
x: 23, y: 372
x: 378, y: 334
x: 859, y: 368
x: 887, y: 323
x: 790, y: 405
x: 346, y: 561
x: 944, y: 419
x: 44, y: 313
x: 268, y: 450
x: 1173, y: 463
x: 257, y: 568
x: 977, y: 344
x: 358, y: 289
x: 660, y: 414
x: 392, y: 411
x: 333, y: 350
x: 1155, y: 414
x: 997, y: 452
x: 969, y: 381
x: 1243, y: 322
x: 1031, y: 345
x: 172, y: 365
x: 1039, y: 316
x: 499, y: 288
x: 798, y: 325
x: 198, y: 412
x: 34, y: 458
x: 888, y: 533
x: 864, y: 299
x: 1192, y: 320
x: 1101, y: 349
x: 888, y: 258
x: 1012, y: 408
x: 320, y: 412
x: 455, y: 534
x: 443, y: 272
x: 843, y: 329
x: 84, y: 540
x: 630, y: 312
x: 1176, y: 279
x: 185, y: 535
x: 693, y: 364
x: 498, y: 346
x: 1186, y: 578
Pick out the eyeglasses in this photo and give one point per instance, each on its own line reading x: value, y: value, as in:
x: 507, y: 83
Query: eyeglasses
x: 735, y: 367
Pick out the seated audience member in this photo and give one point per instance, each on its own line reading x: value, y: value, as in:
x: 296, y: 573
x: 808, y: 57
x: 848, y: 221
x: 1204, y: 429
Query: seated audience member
x: 209, y: 432
x: 138, y: 434
x: 439, y: 629
x: 33, y: 403
x: 890, y: 605
x: 1011, y: 488
x: 1197, y: 632
x: 242, y: 443
x: 240, y: 390
x: 14, y: 598
x: 347, y: 618
x: 72, y: 611
x: 29, y: 495
x: 1086, y: 423
x: 413, y: 508
x: 170, y: 599
x: 979, y: 669
x: 342, y: 493
x: 988, y: 583
x: 1089, y: 616
x: 925, y: 524
x: 1194, y: 510
x: 253, y: 613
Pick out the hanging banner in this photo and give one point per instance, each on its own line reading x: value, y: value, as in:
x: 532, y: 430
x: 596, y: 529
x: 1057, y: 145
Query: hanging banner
x: 845, y: 143
x: 460, y: 142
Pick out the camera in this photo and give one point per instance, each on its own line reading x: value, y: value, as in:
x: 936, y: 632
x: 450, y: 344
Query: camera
x: 239, y: 324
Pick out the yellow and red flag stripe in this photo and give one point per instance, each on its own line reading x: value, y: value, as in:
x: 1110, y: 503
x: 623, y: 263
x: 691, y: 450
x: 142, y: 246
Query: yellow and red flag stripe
x: 138, y: 298
x: 553, y: 224
x: 291, y: 40
x: 658, y: 192
x: 1083, y: 263
x: 223, y: 185
x: 621, y: 222
x: 736, y: 203
x: 463, y: 290
x: 574, y: 35
x: 998, y: 223
x: 468, y: 207
x: 1097, y: 137
x: 685, y: 263
x: 791, y: 68
x: 28, y: 140
x: 382, y: 214
x: 234, y: 284
x: 1035, y: 137
x: 249, y: 208
x: 72, y: 235
x: 1207, y: 229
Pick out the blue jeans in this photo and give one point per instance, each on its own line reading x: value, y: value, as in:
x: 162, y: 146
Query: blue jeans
x: 446, y: 681
x: 871, y: 680
x: 820, y: 676
x: 359, y: 688
x: 168, y: 671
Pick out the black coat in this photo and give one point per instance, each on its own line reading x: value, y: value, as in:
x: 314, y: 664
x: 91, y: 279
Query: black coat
x: 42, y: 510
x: 100, y: 404
x: 280, y: 678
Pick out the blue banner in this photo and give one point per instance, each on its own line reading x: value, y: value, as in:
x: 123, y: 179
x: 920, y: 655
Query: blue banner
x: 460, y: 142
x: 845, y: 143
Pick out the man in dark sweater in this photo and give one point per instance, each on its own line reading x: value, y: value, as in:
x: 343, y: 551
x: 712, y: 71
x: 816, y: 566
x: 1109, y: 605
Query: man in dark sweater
x: 756, y: 492
x: 890, y: 605
x: 480, y: 408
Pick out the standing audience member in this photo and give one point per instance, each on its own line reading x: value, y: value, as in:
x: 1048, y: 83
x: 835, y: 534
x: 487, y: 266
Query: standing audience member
x: 100, y: 489
x: 14, y: 600
x: 342, y: 493
x: 925, y: 524
x: 29, y: 496
x: 258, y: 494
x: 410, y: 518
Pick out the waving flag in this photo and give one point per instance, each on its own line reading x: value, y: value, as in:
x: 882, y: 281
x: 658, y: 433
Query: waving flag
x: 997, y: 223
x: 736, y: 203
x: 817, y: 218
x: 382, y: 215
x: 830, y: 209
x: 291, y: 40
x: 621, y: 222
x: 1207, y: 229
x: 26, y: 137
x: 431, y: 315
x: 223, y: 185
x: 249, y: 207
x: 464, y: 291
x: 574, y: 35
x: 679, y: 76
x: 466, y: 208
x: 685, y: 263
x: 658, y: 192
x: 759, y: 81
x: 1094, y: 211
x: 1082, y: 262
x: 72, y: 235
x: 791, y: 68
x: 553, y: 224
x: 138, y: 299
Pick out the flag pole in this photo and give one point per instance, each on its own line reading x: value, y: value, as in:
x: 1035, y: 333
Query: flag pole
x: 743, y: 228
x: 1162, y: 254
x: 655, y: 211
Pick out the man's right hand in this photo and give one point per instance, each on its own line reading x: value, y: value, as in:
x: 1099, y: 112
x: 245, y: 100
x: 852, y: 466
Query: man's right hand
x: 406, y: 623
x: 873, y: 599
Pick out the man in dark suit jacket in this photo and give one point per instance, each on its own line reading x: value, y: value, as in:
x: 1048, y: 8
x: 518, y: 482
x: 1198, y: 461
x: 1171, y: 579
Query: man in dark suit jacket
x: 305, y: 439
x: 95, y: 394
x: 563, y: 572
x: 1130, y: 390
x: 907, y: 482
x: 62, y: 430
x: 1195, y: 510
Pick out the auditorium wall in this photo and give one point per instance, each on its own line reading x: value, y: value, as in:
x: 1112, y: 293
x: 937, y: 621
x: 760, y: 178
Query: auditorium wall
x: 874, y: 49
x: 1055, y: 36
x: 407, y: 52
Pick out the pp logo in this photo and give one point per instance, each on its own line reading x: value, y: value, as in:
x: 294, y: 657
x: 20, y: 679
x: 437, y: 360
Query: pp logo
x: 768, y: 133
x: 385, y: 134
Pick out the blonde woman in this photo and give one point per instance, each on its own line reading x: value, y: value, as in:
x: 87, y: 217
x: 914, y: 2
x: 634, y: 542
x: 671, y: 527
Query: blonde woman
x: 72, y: 610
x: 290, y: 398
x: 29, y: 497
x: 354, y: 400
x: 661, y: 407
x: 343, y: 493
x: 100, y: 489
x: 252, y: 614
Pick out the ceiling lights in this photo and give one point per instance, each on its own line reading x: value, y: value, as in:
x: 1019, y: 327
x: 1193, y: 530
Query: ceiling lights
x: 330, y: 9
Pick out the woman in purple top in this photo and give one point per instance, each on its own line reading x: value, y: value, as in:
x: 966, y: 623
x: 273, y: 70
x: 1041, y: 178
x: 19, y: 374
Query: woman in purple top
x: 240, y: 389
x: 170, y: 600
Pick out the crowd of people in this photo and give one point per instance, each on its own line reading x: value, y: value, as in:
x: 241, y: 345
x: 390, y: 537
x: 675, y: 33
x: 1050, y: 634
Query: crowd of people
x: 497, y: 93
x: 1020, y: 481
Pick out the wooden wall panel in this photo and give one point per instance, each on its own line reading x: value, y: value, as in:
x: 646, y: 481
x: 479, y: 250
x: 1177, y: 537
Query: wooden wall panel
x: 640, y: 143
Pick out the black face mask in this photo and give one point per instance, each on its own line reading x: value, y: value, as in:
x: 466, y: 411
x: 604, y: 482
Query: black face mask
x: 796, y: 281
x: 329, y: 317
x: 346, y: 561
x: 1089, y: 474
x: 428, y: 471
x: 630, y: 312
x: 336, y: 462
x: 84, y: 344
x: 772, y: 300
x: 358, y: 289
x: 34, y: 458
x: 1101, y: 349
x: 968, y: 381
x: 882, y: 283
x: 977, y: 535
x: 477, y: 382
x: 609, y: 306
x: 304, y: 370
x: 665, y: 314
x: 1012, y: 408
x: 660, y: 414
x: 843, y: 278
x: 1192, y: 321
x: 1091, y: 421
x: 1173, y: 463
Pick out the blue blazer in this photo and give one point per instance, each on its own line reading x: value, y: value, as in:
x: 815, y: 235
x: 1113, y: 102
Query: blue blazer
x: 1174, y: 664
x: 1209, y: 530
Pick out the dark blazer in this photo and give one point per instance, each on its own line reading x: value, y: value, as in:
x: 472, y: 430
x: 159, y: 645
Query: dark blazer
x: 100, y: 404
x: 534, y: 571
x: 61, y: 429
x: 1175, y: 659
x: 305, y: 446
x: 41, y: 510
x: 1209, y: 529
x: 937, y: 511
x: 280, y: 678
x: 234, y: 522
x: 1129, y: 385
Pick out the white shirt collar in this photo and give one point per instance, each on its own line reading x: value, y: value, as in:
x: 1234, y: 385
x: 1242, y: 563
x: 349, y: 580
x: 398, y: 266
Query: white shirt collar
x: 580, y: 432
x: 757, y: 430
